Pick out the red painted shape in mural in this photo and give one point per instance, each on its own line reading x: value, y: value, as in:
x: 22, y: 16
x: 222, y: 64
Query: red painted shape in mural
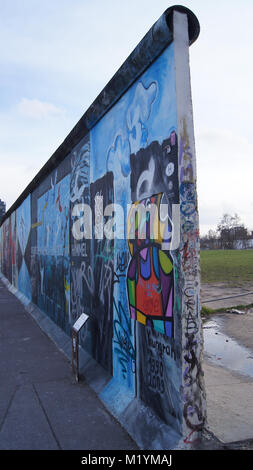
x: 188, y: 439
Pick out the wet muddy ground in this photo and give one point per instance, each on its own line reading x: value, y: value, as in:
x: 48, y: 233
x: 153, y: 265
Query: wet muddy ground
x: 228, y: 368
x: 223, y: 350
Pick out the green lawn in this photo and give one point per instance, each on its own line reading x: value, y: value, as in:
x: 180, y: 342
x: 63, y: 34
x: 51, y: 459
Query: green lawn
x: 228, y: 266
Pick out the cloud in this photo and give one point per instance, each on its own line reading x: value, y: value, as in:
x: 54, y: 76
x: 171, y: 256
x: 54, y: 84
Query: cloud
x: 37, y: 109
x: 224, y: 177
x: 14, y: 179
x: 25, y: 145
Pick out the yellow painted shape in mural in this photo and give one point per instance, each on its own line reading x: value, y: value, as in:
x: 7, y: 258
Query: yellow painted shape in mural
x: 66, y: 285
x: 157, y: 228
x: 141, y: 318
x: 38, y: 224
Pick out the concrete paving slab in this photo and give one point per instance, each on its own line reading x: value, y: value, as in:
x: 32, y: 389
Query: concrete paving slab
x: 25, y: 426
x: 78, y: 419
x: 35, y: 358
x: 6, y: 393
x: 229, y: 404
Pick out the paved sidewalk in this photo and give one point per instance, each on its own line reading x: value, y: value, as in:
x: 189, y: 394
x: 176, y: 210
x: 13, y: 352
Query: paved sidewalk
x: 41, y: 407
x: 229, y: 404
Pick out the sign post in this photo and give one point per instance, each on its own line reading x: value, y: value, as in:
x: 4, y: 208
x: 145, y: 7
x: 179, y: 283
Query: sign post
x: 75, y: 343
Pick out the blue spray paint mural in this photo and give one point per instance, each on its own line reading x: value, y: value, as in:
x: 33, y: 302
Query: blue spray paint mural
x: 53, y: 250
x: 24, y: 248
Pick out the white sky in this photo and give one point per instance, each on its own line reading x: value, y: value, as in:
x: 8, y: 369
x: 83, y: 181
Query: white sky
x: 56, y: 56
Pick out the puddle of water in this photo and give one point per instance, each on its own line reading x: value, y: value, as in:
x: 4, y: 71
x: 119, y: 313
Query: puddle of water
x: 225, y: 351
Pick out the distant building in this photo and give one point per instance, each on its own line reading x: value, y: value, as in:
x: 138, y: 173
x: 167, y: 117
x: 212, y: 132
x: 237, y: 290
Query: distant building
x: 2, y: 209
x: 243, y: 244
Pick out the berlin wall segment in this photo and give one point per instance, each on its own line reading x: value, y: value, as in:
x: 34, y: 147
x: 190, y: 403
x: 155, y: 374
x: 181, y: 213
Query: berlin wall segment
x: 141, y: 293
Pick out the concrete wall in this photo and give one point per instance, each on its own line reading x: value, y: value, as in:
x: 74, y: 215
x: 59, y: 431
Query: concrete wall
x: 142, y: 297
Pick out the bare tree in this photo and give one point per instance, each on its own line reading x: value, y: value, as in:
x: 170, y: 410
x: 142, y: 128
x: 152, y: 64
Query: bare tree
x: 210, y: 241
x: 231, y: 230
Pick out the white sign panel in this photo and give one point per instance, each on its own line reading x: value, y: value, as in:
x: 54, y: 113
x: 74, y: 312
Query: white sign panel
x: 80, y: 322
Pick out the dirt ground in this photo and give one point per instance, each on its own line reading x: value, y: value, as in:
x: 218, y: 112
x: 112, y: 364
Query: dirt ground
x: 237, y: 326
x: 212, y: 295
x: 240, y: 327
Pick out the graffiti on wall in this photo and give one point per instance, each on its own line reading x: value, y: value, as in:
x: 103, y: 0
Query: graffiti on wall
x: 150, y: 278
x: 52, y: 248
x: 129, y: 156
x: 138, y: 288
x: 103, y: 269
x: 24, y: 248
x: 79, y: 292
x: 159, y: 374
x: 193, y: 412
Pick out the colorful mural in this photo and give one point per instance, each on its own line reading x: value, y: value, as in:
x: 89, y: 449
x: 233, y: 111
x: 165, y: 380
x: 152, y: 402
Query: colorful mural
x: 150, y: 279
x: 96, y: 236
x: 128, y: 158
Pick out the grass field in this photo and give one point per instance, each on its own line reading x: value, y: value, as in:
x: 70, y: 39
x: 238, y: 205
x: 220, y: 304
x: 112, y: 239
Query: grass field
x: 229, y: 266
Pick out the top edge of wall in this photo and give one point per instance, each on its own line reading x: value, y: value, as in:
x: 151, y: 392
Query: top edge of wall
x: 146, y: 52
x: 193, y: 22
